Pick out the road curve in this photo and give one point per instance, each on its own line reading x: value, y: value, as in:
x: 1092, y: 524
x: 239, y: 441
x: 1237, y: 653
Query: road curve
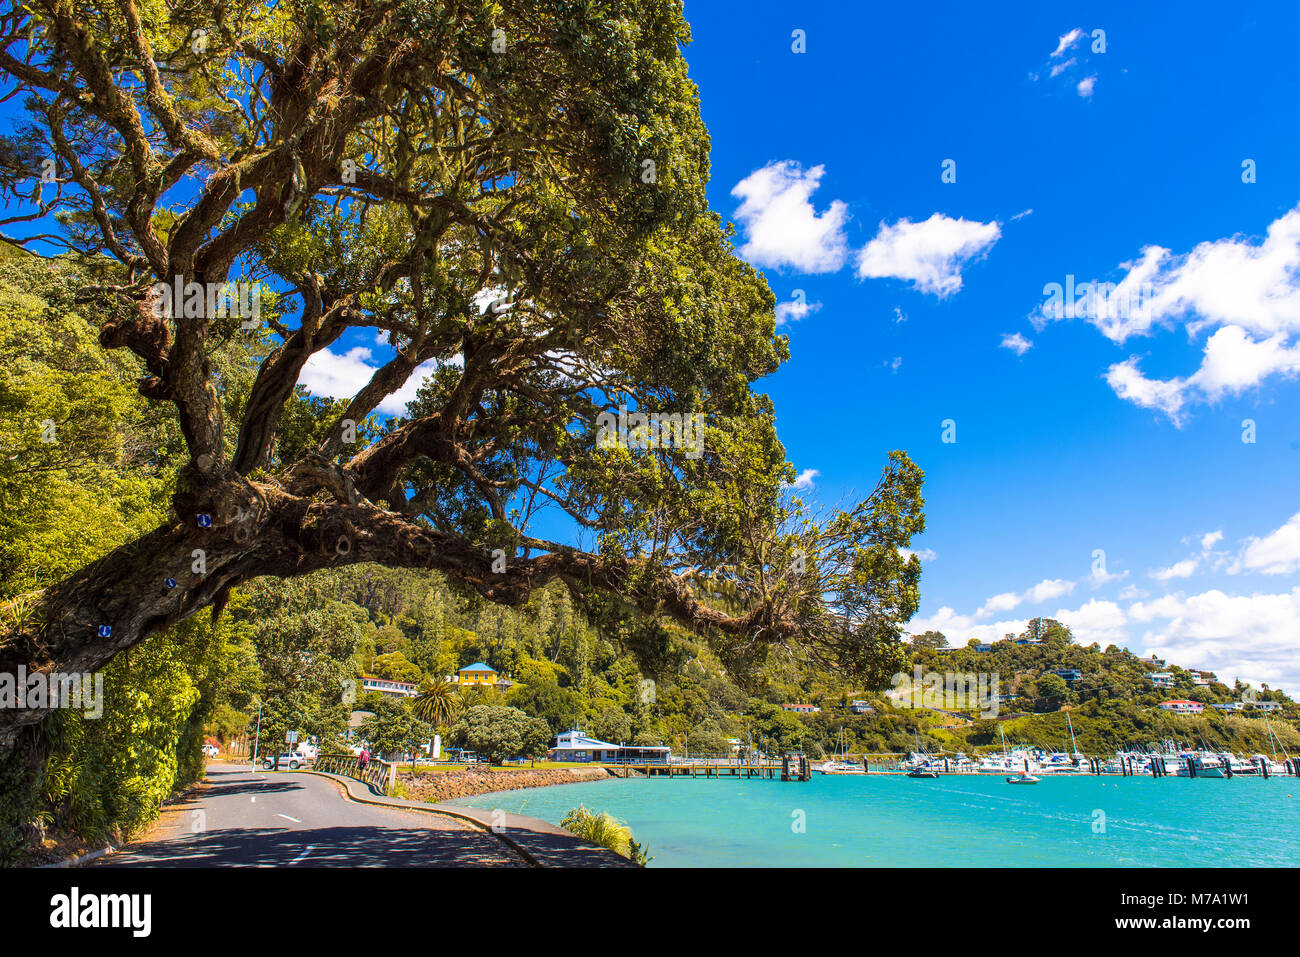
x: 292, y: 819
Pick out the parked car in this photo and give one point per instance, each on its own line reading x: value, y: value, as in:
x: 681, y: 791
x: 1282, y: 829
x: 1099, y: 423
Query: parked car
x: 210, y: 750
x: 292, y: 761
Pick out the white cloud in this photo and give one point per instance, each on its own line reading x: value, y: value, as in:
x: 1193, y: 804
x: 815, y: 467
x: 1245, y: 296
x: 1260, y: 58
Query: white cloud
x: 1047, y: 589
x: 1247, y: 636
x: 1209, y: 540
x: 929, y: 254
x: 959, y: 629
x: 329, y: 374
x: 1023, y: 213
x: 1183, y: 569
x: 1099, y: 621
x: 1085, y: 86
x: 781, y: 226
x: 792, y: 311
x: 1067, y: 41
x: 1245, y: 293
x: 925, y: 554
x: 1003, y: 602
x: 1100, y: 576
x: 1130, y: 592
x: 1060, y: 68
x: 806, y: 479
x: 1277, y: 553
x: 1016, y: 343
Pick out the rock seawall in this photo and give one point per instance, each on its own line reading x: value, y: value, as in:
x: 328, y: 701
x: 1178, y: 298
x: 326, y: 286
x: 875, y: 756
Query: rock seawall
x: 436, y: 787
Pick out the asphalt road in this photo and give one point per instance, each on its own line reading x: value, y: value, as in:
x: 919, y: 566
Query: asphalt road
x: 292, y: 819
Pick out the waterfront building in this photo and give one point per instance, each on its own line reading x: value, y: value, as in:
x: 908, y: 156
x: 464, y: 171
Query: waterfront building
x: 576, y: 745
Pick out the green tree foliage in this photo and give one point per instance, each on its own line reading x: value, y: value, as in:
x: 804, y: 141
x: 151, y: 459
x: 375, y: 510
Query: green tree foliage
x: 394, y: 729
x: 437, y: 703
x: 604, y: 830
x: 529, y: 220
x: 85, y: 465
x: 498, y: 733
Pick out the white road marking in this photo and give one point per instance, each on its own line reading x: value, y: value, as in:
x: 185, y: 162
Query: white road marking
x: 303, y: 854
x: 288, y: 818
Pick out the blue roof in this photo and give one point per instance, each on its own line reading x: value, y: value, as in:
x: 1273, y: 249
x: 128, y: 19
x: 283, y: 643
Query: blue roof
x: 477, y: 666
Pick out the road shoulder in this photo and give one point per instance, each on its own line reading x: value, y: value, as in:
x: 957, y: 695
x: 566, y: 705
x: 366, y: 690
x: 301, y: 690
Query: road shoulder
x: 539, y: 842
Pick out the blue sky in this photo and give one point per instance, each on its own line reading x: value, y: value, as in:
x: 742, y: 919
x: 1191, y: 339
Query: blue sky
x: 1119, y: 431
x: 1056, y: 455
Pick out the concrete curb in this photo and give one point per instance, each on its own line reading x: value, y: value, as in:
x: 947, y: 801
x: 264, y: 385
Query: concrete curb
x: 345, y: 785
x: 81, y: 859
x: 477, y: 818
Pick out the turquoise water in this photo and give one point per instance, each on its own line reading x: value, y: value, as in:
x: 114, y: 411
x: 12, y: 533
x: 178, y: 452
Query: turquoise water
x: 967, y: 820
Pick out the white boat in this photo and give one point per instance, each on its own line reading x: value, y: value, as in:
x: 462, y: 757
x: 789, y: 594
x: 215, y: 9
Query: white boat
x: 842, y: 764
x: 1058, y: 762
x: 1202, y: 764
x: 841, y: 767
x: 1024, y: 777
x: 1264, y: 765
x: 1235, y: 765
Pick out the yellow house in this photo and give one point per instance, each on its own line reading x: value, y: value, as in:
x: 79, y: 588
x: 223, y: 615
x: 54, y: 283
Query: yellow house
x: 476, y: 674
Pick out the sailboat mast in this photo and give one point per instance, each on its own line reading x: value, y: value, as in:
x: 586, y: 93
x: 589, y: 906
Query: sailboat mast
x: 1271, y: 740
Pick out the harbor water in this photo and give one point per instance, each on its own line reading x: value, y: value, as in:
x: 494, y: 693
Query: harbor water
x: 954, y: 820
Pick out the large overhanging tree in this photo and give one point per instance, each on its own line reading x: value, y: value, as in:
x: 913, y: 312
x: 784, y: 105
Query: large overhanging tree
x: 512, y: 192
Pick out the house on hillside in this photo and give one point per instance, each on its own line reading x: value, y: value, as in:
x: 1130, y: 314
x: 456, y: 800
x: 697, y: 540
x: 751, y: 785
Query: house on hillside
x: 479, y: 675
x: 394, y: 689
x: 1182, y: 706
x: 1163, y: 680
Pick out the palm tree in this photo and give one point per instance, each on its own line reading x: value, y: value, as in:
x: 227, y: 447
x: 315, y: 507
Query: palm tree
x: 437, y: 703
